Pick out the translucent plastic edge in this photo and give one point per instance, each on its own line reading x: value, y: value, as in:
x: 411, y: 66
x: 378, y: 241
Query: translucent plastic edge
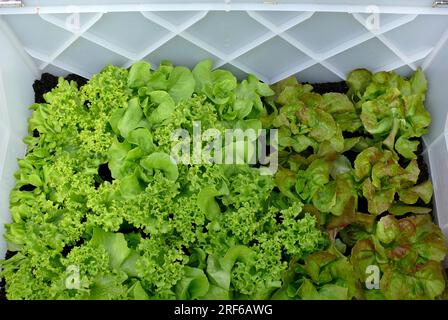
x: 232, y: 59
x: 229, y: 6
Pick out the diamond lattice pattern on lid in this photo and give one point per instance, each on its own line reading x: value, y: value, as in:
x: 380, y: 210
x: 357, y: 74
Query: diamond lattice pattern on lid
x: 315, y: 46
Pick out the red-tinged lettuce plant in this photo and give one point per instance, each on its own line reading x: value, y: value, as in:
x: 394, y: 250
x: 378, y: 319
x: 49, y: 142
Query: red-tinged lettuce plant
x: 391, y: 108
x: 381, y: 177
x: 408, y: 252
x: 324, y: 275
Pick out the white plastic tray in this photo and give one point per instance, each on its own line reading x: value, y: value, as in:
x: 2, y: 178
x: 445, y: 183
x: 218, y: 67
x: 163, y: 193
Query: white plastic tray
x: 318, y: 41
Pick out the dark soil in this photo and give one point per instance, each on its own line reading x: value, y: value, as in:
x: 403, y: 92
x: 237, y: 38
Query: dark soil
x: 49, y: 81
x: 2, y: 289
x: 424, y: 172
x: 81, y: 81
x: 321, y: 88
x: 9, y: 255
x: 104, y: 172
x: 66, y: 250
x: 27, y: 187
x: 44, y: 85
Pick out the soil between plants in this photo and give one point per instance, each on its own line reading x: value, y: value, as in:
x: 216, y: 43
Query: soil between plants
x: 9, y: 254
x: 321, y: 88
x: 49, y: 81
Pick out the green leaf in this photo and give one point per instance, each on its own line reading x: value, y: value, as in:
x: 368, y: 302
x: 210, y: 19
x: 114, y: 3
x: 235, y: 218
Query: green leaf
x: 364, y: 162
x: 136, y: 292
x: 139, y: 74
x: 345, y: 216
x: 106, y: 287
x: 341, y: 165
x: 165, y: 106
x: 406, y: 147
x: 159, y: 78
x: 310, y: 181
x: 131, y: 118
x: 142, y: 138
x: 333, y: 292
x: 422, y: 191
x: 431, y: 275
x: 254, y: 124
x: 218, y: 273
x: 378, y: 201
x: 285, y: 180
x: 198, y: 258
x: 218, y: 86
x: 357, y: 81
x: 426, y: 283
x: 15, y: 234
x: 289, y: 91
x: 376, y: 117
x: 117, y: 155
x: 193, y: 285
x: 387, y: 229
x: 419, y: 83
x: 216, y: 293
x: 400, y: 210
x: 264, y: 90
x: 130, y: 186
x: 115, y: 245
x: 237, y: 253
x: 348, y: 121
x: 332, y: 277
x: 208, y: 204
x: 129, y: 265
x: 316, y: 261
x: 161, y: 161
x: 307, y: 291
x: 219, y: 269
x: 115, y: 119
x: 429, y: 241
x: 390, y: 140
x: 181, y: 84
x: 363, y: 255
x: 202, y: 74
x: 337, y: 103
